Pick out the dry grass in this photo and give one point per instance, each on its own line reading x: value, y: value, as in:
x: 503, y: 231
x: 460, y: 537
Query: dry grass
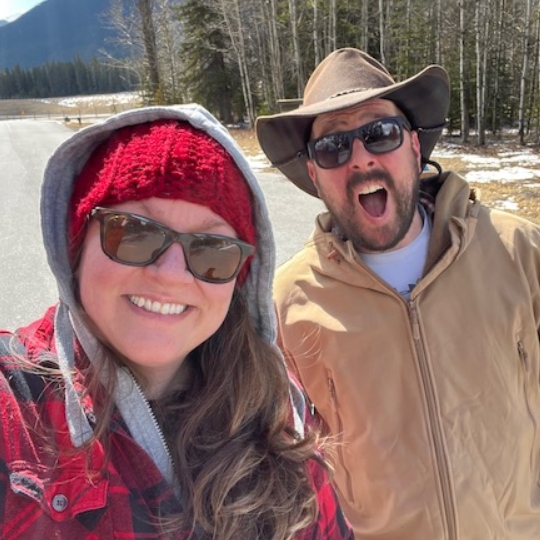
x: 526, y: 198
x: 523, y: 194
x: 58, y: 108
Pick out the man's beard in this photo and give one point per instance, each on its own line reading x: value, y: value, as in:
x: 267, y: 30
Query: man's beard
x: 406, y: 202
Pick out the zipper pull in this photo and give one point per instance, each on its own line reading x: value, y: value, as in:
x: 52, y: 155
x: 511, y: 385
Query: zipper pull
x: 523, y: 355
x: 331, y: 389
x: 414, y: 321
x: 333, y: 254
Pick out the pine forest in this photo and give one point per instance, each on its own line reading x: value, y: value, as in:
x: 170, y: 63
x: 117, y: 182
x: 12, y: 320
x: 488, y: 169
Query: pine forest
x: 242, y: 58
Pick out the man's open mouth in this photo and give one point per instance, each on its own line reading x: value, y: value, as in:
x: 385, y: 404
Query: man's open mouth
x: 373, y: 200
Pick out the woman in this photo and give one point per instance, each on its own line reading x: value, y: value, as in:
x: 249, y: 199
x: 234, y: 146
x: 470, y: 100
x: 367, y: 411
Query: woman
x: 151, y: 402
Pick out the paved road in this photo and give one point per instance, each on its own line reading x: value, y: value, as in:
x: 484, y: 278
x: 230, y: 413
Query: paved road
x: 26, y: 285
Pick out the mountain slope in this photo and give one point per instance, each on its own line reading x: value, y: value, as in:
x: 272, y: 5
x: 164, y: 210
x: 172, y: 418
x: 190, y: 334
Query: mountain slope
x: 55, y: 30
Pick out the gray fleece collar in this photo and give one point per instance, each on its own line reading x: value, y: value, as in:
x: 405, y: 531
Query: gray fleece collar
x: 129, y: 398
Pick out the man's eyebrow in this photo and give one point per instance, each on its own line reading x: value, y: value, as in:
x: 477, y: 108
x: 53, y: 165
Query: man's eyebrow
x: 331, y: 124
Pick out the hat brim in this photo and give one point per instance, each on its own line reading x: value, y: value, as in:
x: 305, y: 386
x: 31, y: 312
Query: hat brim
x: 423, y: 98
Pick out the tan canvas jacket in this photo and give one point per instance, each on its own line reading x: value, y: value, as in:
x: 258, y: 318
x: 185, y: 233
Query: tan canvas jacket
x: 434, y: 402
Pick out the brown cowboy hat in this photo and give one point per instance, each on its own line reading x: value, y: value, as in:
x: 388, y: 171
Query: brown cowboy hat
x: 347, y: 77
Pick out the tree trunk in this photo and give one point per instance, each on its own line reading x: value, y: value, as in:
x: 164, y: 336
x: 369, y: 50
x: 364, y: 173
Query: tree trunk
x: 230, y: 11
x: 333, y: 24
x: 150, y: 47
x: 275, y: 53
x: 438, y: 33
x: 296, y: 48
x: 317, y: 57
x: 168, y: 48
x: 525, y: 67
x: 479, y: 26
x: 381, y: 32
x: 462, y: 73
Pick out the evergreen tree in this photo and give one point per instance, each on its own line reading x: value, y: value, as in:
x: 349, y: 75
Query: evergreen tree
x: 63, y: 79
x: 209, y: 78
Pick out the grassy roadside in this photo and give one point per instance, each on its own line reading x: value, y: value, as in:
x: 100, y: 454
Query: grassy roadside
x: 521, y: 197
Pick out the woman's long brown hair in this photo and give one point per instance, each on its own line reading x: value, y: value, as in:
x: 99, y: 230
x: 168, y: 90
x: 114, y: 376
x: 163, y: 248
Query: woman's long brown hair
x: 242, y: 470
x: 240, y: 466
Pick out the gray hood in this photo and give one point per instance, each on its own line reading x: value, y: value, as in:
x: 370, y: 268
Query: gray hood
x: 60, y: 174
x: 68, y: 160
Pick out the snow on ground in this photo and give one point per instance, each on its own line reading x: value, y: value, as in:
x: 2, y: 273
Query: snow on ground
x: 503, y: 174
x: 258, y: 162
x: 506, y: 204
x: 124, y: 97
x: 503, y: 168
x: 503, y: 165
x: 100, y: 99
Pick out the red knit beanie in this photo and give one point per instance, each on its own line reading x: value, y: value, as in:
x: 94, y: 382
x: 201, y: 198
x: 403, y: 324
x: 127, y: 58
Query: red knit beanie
x: 166, y: 159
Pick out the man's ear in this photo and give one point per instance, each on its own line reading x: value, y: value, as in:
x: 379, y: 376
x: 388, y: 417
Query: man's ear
x: 415, y: 141
x: 313, y: 174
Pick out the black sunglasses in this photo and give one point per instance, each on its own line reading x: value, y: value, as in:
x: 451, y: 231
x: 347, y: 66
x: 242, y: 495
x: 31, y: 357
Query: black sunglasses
x: 378, y: 137
x: 139, y: 241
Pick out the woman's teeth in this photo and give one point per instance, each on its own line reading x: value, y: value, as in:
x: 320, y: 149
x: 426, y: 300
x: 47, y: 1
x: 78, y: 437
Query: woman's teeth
x: 157, y: 307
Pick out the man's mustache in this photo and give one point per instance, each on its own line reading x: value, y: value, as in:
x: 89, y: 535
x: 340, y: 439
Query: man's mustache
x: 358, y: 178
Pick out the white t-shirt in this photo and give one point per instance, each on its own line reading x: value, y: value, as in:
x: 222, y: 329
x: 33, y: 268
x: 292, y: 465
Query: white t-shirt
x: 402, y: 268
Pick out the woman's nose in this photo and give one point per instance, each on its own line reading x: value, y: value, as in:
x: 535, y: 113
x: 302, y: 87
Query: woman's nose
x: 173, y: 264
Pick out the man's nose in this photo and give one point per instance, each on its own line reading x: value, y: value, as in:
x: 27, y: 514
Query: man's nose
x: 361, y: 157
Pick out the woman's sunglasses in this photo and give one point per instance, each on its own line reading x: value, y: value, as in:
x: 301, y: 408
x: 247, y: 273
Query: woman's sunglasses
x: 139, y: 241
x: 378, y: 137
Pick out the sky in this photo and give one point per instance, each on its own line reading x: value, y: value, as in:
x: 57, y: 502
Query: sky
x: 16, y: 7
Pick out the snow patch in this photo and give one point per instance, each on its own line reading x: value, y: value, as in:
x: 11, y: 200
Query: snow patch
x: 507, y: 204
x: 120, y: 98
x: 102, y: 99
x: 258, y: 162
x: 505, y: 175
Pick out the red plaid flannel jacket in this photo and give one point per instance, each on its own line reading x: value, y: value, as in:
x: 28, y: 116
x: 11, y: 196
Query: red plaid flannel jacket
x: 75, y: 494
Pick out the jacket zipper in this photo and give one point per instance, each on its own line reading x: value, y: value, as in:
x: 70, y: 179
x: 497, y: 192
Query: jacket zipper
x: 159, y: 431
x: 339, y: 446
x: 436, y: 431
x: 526, y: 362
x: 523, y: 355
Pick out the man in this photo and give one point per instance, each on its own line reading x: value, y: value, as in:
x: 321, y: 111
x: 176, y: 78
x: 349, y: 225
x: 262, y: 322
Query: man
x: 411, y: 315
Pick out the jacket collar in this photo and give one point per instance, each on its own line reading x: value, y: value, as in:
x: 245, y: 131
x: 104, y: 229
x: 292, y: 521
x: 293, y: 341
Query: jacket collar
x: 454, y: 215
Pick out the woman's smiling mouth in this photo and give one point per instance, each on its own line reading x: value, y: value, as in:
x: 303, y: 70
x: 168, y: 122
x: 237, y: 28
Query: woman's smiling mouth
x: 157, y: 307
